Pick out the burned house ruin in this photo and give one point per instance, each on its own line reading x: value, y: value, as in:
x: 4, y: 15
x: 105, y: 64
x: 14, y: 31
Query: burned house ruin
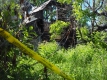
x: 42, y: 16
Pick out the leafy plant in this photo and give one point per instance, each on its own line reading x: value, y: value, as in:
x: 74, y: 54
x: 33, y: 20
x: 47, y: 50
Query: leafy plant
x: 57, y: 28
x: 88, y: 62
x: 83, y: 34
x: 99, y: 39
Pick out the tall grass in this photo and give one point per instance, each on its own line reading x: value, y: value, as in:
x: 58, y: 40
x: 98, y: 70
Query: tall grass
x: 85, y: 62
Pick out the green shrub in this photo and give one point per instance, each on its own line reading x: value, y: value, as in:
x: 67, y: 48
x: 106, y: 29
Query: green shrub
x: 88, y: 63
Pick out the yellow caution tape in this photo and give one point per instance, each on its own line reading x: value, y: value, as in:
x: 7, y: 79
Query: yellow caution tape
x: 31, y: 53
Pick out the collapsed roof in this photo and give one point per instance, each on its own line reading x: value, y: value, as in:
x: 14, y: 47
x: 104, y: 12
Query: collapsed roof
x: 32, y: 13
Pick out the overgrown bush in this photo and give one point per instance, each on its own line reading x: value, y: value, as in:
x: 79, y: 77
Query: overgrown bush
x: 83, y: 62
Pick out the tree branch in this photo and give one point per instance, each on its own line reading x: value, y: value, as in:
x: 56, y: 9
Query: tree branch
x: 100, y: 5
x: 104, y: 13
x: 89, y: 6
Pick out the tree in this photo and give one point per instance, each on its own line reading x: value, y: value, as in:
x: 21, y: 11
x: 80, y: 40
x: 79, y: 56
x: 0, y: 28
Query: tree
x: 10, y: 19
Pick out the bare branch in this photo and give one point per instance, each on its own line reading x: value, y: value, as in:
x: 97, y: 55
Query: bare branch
x: 104, y: 13
x: 93, y: 5
x: 100, y: 5
x: 89, y: 6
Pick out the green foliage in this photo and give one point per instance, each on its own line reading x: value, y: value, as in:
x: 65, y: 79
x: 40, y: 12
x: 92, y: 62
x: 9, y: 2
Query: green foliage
x: 83, y: 34
x: 10, y: 20
x: 57, y: 28
x: 82, y: 16
x: 56, y: 55
x: 65, y: 1
x: 46, y: 49
x: 69, y: 1
x: 99, y: 39
x: 88, y: 62
x: 77, y: 8
x: 26, y: 68
x: 52, y: 52
x: 84, y: 62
